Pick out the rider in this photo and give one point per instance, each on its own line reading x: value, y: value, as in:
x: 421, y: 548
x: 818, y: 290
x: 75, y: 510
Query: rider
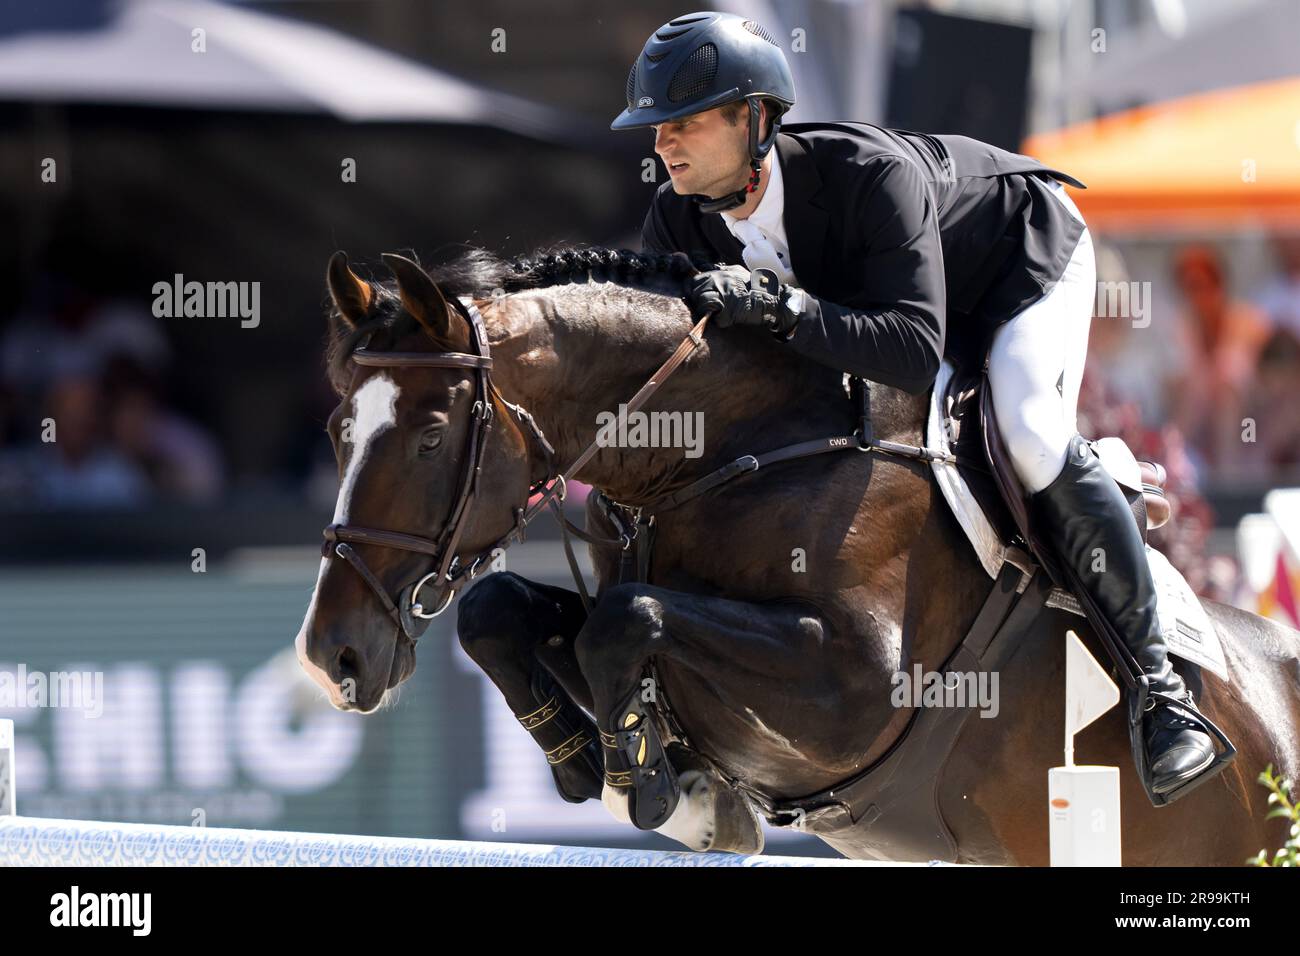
x: 888, y: 250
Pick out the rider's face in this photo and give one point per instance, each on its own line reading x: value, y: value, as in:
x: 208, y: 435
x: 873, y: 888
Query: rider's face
x: 716, y: 153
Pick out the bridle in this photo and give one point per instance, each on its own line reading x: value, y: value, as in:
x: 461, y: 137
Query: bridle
x: 449, y: 572
x: 409, y: 612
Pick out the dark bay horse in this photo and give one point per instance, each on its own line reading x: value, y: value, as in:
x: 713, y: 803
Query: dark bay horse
x: 782, y: 604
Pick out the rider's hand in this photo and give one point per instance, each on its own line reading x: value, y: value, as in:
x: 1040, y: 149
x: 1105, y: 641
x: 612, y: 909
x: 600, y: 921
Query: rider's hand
x: 726, y: 292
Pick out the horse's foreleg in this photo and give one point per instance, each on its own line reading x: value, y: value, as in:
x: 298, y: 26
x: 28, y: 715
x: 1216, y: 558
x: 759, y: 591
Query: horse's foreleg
x: 521, y: 634
x: 747, y: 656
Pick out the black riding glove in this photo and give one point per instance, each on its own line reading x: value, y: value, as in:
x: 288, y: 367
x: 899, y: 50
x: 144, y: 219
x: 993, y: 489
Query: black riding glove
x: 728, y: 293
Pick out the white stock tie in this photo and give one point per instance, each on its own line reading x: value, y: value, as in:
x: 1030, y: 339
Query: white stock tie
x: 759, y: 252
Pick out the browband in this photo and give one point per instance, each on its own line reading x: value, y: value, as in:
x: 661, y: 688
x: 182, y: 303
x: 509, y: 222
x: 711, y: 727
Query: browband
x: 365, y: 356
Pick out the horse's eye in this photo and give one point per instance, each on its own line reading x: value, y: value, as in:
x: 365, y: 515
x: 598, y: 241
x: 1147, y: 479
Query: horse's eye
x: 430, y: 440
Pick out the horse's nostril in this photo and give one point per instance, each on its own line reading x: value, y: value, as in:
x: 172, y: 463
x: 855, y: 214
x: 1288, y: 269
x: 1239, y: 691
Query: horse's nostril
x: 346, y: 665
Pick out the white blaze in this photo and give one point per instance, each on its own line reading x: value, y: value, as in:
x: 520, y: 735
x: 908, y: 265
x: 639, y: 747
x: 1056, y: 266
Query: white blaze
x: 374, y: 410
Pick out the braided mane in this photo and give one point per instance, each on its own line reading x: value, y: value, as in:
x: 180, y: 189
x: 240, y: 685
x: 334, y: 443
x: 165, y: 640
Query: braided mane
x: 480, y: 274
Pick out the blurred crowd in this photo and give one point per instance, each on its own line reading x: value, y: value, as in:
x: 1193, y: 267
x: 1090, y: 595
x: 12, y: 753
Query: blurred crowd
x: 85, y: 416
x: 1219, y: 366
x: 1210, y: 392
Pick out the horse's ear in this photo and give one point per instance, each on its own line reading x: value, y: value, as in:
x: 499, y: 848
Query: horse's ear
x: 421, y: 296
x: 351, y: 295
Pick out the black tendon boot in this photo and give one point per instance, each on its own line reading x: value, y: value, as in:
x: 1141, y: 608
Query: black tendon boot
x: 568, y: 737
x: 635, y: 762
x: 1084, y: 515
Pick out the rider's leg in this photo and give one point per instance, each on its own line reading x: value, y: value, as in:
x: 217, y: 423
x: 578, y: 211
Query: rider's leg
x: 1035, y: 368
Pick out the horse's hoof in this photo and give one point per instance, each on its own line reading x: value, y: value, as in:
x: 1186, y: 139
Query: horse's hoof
x: 711, y: 815
x: 736, y: 827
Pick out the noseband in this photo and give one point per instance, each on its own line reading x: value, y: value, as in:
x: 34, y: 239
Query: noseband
x: 410, y: 613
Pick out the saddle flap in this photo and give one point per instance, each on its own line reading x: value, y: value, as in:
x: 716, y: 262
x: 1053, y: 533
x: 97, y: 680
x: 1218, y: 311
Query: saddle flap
x: 960, y: 411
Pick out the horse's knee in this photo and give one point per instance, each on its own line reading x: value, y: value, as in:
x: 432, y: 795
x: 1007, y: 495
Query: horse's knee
x: 627, y: 616
x: 489, y: 614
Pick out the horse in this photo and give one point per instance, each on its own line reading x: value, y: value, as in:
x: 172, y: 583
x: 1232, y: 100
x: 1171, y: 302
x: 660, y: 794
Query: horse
x: 754, y: 663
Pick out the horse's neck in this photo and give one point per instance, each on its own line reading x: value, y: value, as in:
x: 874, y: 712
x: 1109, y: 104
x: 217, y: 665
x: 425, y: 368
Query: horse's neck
x: 570, y: 353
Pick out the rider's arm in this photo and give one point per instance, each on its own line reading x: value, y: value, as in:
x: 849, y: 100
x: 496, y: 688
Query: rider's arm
x: 897, y: 339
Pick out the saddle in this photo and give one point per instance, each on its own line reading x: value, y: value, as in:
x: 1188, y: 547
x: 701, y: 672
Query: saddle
x: 986, y: 466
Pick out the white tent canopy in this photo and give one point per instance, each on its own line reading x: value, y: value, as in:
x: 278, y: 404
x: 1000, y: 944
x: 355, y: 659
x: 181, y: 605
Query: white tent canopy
x: 142, y: 55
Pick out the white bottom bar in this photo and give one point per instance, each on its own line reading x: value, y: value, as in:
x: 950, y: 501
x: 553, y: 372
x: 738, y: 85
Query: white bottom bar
x: 35, y: 842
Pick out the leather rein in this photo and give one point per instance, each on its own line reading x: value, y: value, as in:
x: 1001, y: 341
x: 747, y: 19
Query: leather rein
x: 449, y: 573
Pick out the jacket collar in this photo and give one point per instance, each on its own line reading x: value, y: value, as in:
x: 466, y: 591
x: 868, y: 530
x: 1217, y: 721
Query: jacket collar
x: 804, y: 217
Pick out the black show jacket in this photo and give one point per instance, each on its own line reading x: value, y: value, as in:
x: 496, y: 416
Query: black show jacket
x: 912, y: 246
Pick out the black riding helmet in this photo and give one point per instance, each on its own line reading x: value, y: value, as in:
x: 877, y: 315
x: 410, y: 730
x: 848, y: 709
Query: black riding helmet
x: 702, y: 61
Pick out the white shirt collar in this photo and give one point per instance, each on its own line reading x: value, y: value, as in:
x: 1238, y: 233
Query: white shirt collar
x: 767, y: 214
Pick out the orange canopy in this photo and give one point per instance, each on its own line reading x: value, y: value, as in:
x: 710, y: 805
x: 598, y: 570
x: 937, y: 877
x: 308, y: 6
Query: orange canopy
x: 1227, y: 158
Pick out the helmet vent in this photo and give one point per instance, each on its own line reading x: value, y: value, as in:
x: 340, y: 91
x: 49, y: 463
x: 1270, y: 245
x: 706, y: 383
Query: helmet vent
x: 631, y: 87
x: 758, y: 31
x: 696, y: 75
x: 656, y: 57
x: 671, y: 35
x: 682, y: 21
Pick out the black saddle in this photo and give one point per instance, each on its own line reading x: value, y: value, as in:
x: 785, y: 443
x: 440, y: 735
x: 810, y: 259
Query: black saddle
x: 986, y: 466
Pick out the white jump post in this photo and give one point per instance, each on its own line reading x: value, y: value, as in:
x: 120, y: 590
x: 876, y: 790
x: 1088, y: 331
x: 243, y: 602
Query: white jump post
x: 1083, y: 802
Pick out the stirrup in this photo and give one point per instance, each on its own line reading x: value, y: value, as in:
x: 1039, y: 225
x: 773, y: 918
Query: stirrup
x: 636, y: 763
x: 1144, y: 700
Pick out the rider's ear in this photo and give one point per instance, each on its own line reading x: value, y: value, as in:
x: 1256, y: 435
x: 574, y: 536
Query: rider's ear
x: 351, y: 295
x: 421, y: 296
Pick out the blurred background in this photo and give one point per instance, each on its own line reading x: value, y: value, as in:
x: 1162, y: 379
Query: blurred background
x: 168, y: 538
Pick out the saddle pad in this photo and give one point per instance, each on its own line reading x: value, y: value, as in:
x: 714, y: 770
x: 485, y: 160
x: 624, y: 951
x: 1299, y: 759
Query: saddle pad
x: 1186, y: 627
x: 979, y: 530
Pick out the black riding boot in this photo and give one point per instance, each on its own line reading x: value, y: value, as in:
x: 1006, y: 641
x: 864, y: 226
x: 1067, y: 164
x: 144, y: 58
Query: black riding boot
x: 1092, y: 530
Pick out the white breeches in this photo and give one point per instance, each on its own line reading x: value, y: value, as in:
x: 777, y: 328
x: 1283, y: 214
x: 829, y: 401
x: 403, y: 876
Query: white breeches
x: 1036, y: 366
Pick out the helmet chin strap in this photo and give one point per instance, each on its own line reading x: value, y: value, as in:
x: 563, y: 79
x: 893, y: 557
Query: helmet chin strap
x: 757, y: 151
